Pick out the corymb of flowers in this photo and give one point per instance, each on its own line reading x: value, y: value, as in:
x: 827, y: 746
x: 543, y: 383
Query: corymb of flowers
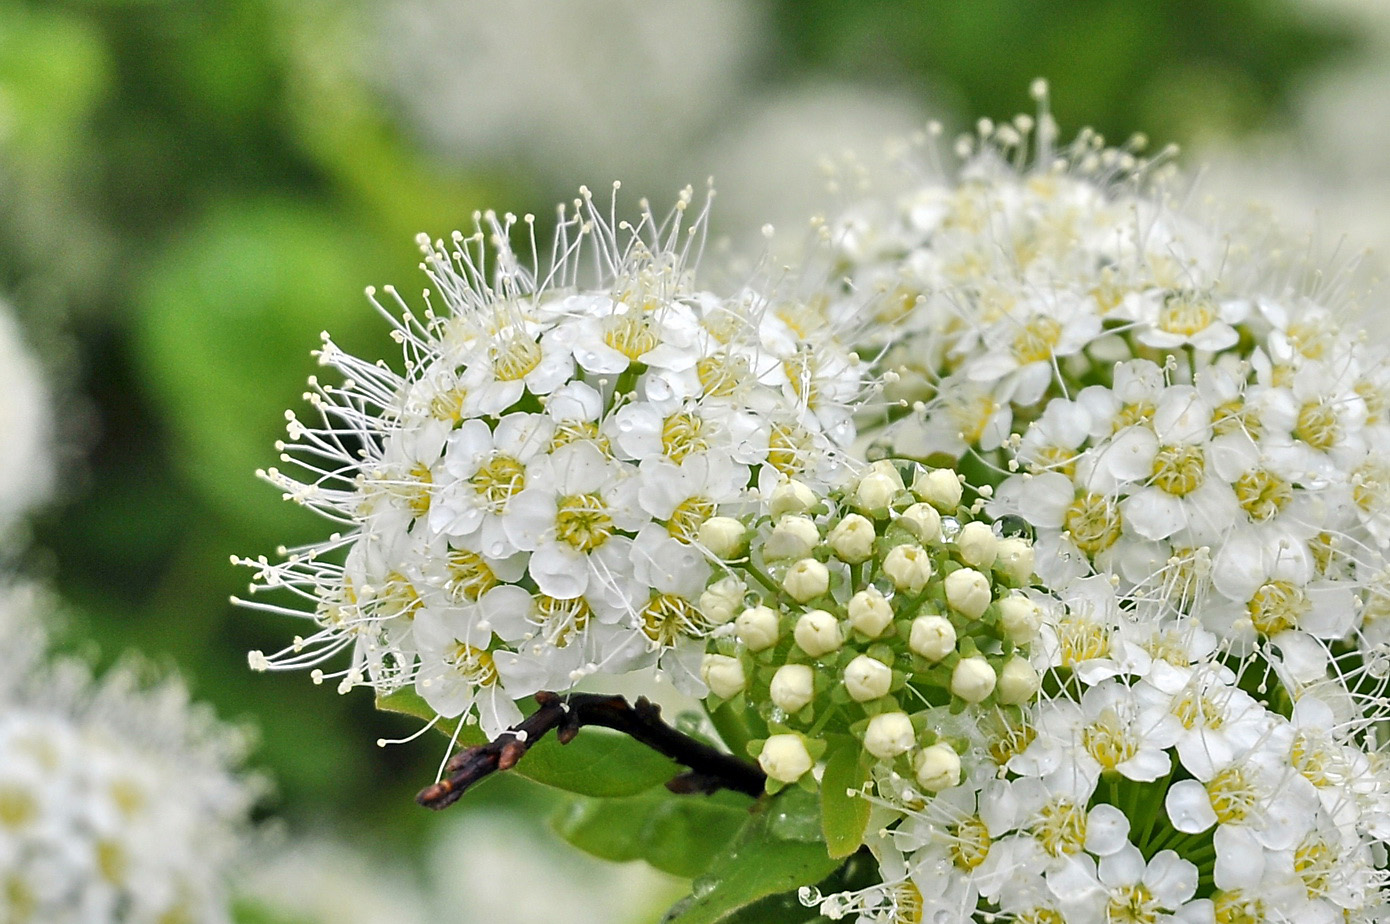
x: 1025, y: 546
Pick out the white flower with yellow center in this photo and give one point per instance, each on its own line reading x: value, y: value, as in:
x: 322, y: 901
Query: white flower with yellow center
x: 486, y: 470
x: 1122, y: 887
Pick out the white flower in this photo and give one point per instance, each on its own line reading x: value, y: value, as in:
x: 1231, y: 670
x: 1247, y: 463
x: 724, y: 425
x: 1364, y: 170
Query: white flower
x: 867, y: 678
x: 1126, y: 887
x: 785, y: 758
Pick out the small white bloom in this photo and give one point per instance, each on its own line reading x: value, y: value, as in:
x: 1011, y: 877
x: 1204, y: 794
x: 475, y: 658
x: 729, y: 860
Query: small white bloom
x: 937, y: 767
x: 1015, y: 560
x: 723, y: 537
x: 867, y: 678
x: 939, y: 487
x: 806, y: 580
x: 932, y: 637
x: 922, y: 521
x: 793, y: 686
x: 1018, y: 682
x: 908, y: 567
x: 723, y: 675
x: 1020, y: 618
x: 791, y: 497
x: 722, y: 600
x: 818, y: 633
x: 794, y: 536
x: 784, y: 758
x: 757, y: 627
x: 870, y: 612
x: 889, y: 734
x: 977, y: 544
x: 973, y: 679
x: 968, y: 592
x: 852, y: 539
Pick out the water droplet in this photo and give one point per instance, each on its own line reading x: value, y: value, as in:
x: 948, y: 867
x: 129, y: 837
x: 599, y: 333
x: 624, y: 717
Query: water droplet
x: 950, y: 528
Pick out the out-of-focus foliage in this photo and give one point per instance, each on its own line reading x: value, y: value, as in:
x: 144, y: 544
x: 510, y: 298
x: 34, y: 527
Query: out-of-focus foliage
x: 195, y: 190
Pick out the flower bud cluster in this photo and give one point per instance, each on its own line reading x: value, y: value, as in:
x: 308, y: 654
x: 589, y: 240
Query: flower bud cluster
x: 871, y: 610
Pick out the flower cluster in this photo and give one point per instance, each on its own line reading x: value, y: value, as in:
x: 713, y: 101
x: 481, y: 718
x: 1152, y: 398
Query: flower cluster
x: 876, y: 614
x: 117, y: 800
x: 1196, y: 444
x: 523, y: 503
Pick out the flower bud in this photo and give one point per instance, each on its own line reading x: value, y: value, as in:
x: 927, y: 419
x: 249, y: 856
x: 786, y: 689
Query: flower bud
x: 867, y: 678
x: 723, y: 537
x: 932, y: 637
x: 852, y: 539
x: 908, y: 567
x: 1020, y: 619
x: 818, y: 633
x: 937, y: 767
x: 757, y: 627
x: 785, y: 758
x: 806, y: 580
x: 793, y: 686
x: 791, y: 497
x: 793, y: 537
x: 973, y: 679
x: 889, y: 734
x: 967, y: 590
x: 939, y: 487
x: 887, y: 469
x: 870, y: 612
x: 1018, y: 682
x: 977, y: 544
x: 722, y: 600
x: 723, y: 675
x: 922, y: 521
x: 876, y: 492
x: 1015, y: 559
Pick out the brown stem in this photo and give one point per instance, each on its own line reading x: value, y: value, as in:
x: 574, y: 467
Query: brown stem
x: 710, y: 769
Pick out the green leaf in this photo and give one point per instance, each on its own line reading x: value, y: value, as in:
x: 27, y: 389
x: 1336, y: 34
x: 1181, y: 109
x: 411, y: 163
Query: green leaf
x: 598, y: 762
x: 678, y: 834
x: 779, y: 850
x: 844, y: 817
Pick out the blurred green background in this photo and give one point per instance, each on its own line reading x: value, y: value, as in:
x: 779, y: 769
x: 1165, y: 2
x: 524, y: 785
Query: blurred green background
x: 191, y: 191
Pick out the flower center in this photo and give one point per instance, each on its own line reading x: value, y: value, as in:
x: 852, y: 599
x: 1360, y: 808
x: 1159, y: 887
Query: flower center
x: 1108, y: 741
x: 1315, y: 862
x: 970, y: 842
x: 1081, y: 640
x: 971, y: 412
x: 448, y: 404
x: 684, y: 524
x: 1007, y: 739
x: 907, y: 903
x: 398, y: 597
x: 631, y: 334
x: 720, y: 374
x: 1132, y: 904
x: 1235, y: 907
x: 1370, y: 485
x: 473, y: 664
x: 1179, y: 470
x: 1317, y: 426
x: 1094, y: 522
x: 1036, y: 340
x: 1194, y: 709
x: 1311, y: 757
x: 497, y: 480
x: 786, y: 448
x: 1132, y: 413
x: 1262, y: 494
x: 1061, y: 827
x: 514, y: 356
x: 666, y: 618
x: 578, y: 431
x: 1233, y: 796
x: 1235, y: 416
x: 1276, y: 606
x: 561, y: 620
x: 681, y: 435
x: 17, y: 807
x: 470, y: 576
x: 1040, y: 916
x: 582, y: 521
x: 1185, y: 314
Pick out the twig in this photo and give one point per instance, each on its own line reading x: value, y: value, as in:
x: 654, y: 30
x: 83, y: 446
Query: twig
x: 710, y: 769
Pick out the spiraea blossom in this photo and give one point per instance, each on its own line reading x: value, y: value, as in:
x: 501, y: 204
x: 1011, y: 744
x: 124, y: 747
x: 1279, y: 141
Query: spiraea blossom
x: 119, y: 800
x: 521, y: 504
x: 1194, y: 437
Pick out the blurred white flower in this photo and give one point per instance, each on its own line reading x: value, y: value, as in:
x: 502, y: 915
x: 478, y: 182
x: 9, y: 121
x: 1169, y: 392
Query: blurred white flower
x: 319, y: 880
x: 26, y: 419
